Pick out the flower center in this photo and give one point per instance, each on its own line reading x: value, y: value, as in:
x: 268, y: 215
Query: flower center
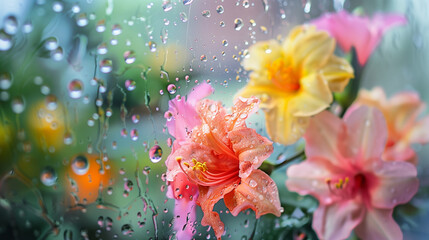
x: 283, y: 75
x: 347, y: 187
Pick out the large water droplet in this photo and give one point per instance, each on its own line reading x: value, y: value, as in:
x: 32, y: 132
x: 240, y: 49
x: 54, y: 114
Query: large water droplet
x: 171, y: 88
x: 106, y: 65
x: 5, y: 41
x: 253, y: 183
x: 5, y: 81
x: 220, y: 9
x: 238, y: 24
x: 48, y: 176
x: 129, y: 57
x: 80, y: 165
x: 18, y: 105
x: 11, y: 25
x: 155, y: 153
x: 75, y: 88
x: 51, y: 43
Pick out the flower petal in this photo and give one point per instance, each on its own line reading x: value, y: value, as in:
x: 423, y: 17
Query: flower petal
x: 199, y: 92
x: 252, y: 149
x: 209, y: 196
x: 242, y: 109
x: 379, y: 224
x: 258, y: 192
x: 313, y: 97
x: 419, y: 133
x: 261, y: 54
x: 324, y: 137
x: 185, y: 212
x: 337, y: 73
x: 397, y: 183
x: 367, y: 132
x: 184, y: 118
x: 336, y: 221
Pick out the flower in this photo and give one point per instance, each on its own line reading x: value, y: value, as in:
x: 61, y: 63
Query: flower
x: 356, y: 189
x: 181, y: 118
x: 221, y: 157
x: 362, y: 33
x: 294, y: 80
x: 401, y: 112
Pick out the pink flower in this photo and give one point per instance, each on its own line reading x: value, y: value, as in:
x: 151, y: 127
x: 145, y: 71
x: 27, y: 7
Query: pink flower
x: 403, y: 126
x: 356, y: 189
x: 221, y: 157
x: 362, y: 33
x: 181, y: 118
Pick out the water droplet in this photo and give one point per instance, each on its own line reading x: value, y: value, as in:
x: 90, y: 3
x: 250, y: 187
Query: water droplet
x: 82, y: 20
x: 51, y: 43
x: 128, y: 185
x: 265, y: 5
x: 75, y: 8
x: 57, y: 6
x: 68, y: 138
x: 225, y: 42
x: 135, y: 118
x: 126, y: 229
x: 27, y: 27
x: 220, y: 9
x: 5, y: 81
x: 48, y: 176
x: 171, y: 88
x: 168, y: 115
x: 253, y: 183
x: 152, y: 46
x: 183, y: 17
x: 246, y: 4
x: 102, y: 49
x: 222, y: 24
x: 11, y: 25
x: 57, y: 54
x: 51, y: 102
x: 101, y: 26
x: 164, y: 35
x: 238, y: 24
x: 106, y: 65
x: 5, y: 41
x: 129, y: 57
x: 206, y: 13
x: 134, y: 135
x: 75, y: 88
x: 116, y: 30
x: 187, y: 2
x: 155, y: 153
x: 100, y: 221
x: 203, y: 58
x: 130, y: 85
x: 18, y: 105
x: 166, y: 5
x: 80, y: 165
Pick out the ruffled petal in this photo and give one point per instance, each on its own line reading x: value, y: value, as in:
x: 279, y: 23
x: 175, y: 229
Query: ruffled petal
x: 420, y: 132
x: 325, y: 137
x: 379, y: 224
x: 208, y: 197
x: 396, y: 183
x: 337, y: 72
x: 242, y: 109
x: 336, y: 221
x: 251, y: 148
x: 258, y: 192
x: 309, y: 177
x: 199, y: 92
x: 184, y: 118
x: 313, y: 97
x: 282, y: 126
x: 261, y: 54
x: 267, y: 93
x: 367, y: 132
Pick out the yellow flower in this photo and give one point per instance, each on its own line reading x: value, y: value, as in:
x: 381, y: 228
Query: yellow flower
x: 294, y: 80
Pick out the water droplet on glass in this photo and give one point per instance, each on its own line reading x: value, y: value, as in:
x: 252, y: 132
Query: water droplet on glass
x: 225, y: 43
x: 116, y: 30
x: 101, y: 26
x: 5, y: 81
x: 27, y: 27
x: 126, y: 229
x: 152, y: 46
x: 168, y: 115
x: 75, y: 89
x: 82, y: 20
x: 203, y: 58
x: 11, y: 25
x: 171, y: 88
x: 183, y: 17
x: 80, y: 165
x: 307, y: 6
x: 265, y: 5
x: 5, y: 41
x: 75, y: 8
x: 51, y: 102
x: 134, y: 135
x: 18, y: 105
x: 253, y: 183
x: 220, y: 9
x: 187, y: 2
x: 238, y: 24
x: 206, y: 13
x: 106, y: 65
x: 102, y: 49
x: 57, y: 6
x: 164, y: 35
x: 130, y: 85
x: 57, y: 54
x: 155, y: 153
x: 129, y: 57
x: 166, y: 5
x: 135, y: 118
x: 124, y: 132
x: 222, y: 24
x: 246, y: 4
x: 51, y: 43
x: 48, y: 176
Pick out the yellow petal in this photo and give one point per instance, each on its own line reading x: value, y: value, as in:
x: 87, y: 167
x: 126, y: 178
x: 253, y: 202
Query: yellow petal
x: 267, y: 93
x: 337, y: 72
x: 282, y: 127
x: 261, y: 54
x: 313, y: 97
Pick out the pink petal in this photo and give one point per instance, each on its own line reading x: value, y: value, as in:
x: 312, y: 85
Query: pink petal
x: 185, y: 216
x: 367, y: 132
x: 396, y: 153
x: 310, y: 176
x: 324, y: 137
x: 361, y: 32
x: 251, y: 148
x: 199, y: 92
x: 396, y: 183
x: 336, y: 221
x: 378, y: 224
x: 258, y: 192
x: 242, y: 109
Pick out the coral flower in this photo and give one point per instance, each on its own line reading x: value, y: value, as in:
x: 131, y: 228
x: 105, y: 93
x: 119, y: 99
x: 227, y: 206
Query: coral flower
x: 181, y: 118
x: 401, y: 112
x: 294, y: 80
x: 221, y: 158
x: 356, y: 189
x: 362, y: 33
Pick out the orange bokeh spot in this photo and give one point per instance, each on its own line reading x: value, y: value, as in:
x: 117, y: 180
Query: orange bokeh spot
x: 85, y: 184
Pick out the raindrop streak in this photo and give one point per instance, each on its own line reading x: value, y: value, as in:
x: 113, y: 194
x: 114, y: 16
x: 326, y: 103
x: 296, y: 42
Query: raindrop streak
x: 155, y: 153
x: 75, y: 89
x: 80, y: 165
x: 48, y: 176
x: 238, y: 24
